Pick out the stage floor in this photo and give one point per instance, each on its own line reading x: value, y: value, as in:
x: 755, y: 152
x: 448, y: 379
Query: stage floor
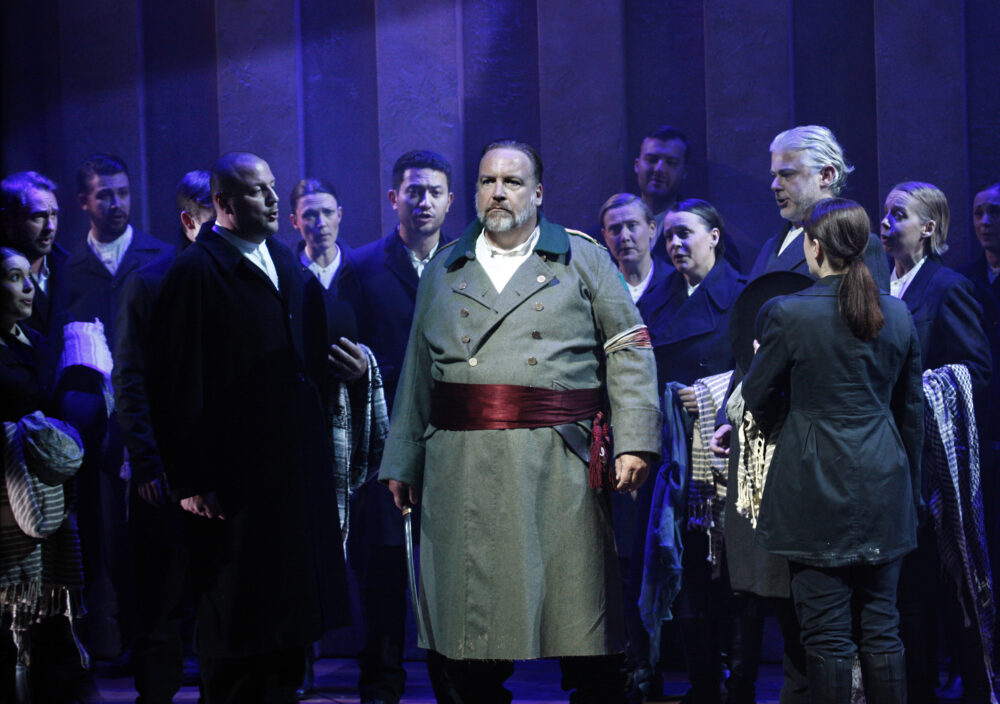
x: 534, y: 682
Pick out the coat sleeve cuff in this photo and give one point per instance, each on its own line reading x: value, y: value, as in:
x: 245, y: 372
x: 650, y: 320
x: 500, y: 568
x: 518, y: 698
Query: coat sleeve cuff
x: 637, y: 430
x: 403, y: 461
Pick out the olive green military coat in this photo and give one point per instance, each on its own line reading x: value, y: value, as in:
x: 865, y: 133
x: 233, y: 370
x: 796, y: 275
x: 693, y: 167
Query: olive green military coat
x: 517, y: 553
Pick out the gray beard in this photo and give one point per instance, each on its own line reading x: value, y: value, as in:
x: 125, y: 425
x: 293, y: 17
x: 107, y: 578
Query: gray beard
x: 500, y: 222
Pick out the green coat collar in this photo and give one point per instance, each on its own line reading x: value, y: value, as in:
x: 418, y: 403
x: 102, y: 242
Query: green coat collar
x: 552, y: 238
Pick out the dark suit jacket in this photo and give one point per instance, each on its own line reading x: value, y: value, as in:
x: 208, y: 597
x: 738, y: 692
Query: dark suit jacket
x: 42, y: 311
x: 388, y: 285
x: 794, y: 259
x: 130, y: 351
x: 341, y: 299
x: 949, y: 321
x: 843, y: 485
x: 85, y: 290
x: 691, y: 334
x: 988, y: 295
x: 236, y: 412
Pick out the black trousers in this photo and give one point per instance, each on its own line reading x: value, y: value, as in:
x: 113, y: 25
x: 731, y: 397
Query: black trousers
x: 598, y: 679
x: 161, y: 566
x: 829, y: 600
x: 382, y: 581
x: 267, y: 678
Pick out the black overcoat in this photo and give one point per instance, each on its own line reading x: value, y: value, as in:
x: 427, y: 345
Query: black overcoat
x: 236, y: 412
x: 844, y: 483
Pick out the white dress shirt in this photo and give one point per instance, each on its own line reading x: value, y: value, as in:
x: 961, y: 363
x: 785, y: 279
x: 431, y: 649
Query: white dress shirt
x: 500, y: 264
x: 325, y: 274
x: 256, y: 253
x: 110, y: 253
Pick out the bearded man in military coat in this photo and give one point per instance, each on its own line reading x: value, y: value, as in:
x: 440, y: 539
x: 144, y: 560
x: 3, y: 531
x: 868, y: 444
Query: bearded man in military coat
x: 523, y: 331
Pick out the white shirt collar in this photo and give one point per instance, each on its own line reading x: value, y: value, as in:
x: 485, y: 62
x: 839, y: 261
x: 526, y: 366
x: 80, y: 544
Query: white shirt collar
x: 41, y: 279
x: 790, y: 237
x: 640, y: 288
x: 417, y: 262
x: 898, y: 286
x: 257, y: 253
x: 500, y: 264
x: 110, y: 253
x: 325, y: 274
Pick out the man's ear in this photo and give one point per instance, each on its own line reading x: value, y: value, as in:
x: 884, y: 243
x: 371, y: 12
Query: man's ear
x: 538, y: 196
x: 392, y: 195
x: 827, y: 175
x: 187, y: 221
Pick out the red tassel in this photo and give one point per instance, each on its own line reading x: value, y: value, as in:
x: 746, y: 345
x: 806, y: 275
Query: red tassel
x: 599, y: 473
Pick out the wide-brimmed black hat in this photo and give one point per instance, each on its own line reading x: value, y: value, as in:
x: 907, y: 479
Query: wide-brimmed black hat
x: 748, y: 305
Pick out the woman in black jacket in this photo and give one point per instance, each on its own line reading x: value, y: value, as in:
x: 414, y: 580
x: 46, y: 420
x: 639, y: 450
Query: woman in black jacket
x: 843, y: 485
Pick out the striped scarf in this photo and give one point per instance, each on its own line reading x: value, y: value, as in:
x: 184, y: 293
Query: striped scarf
x: 706, y: 499
x: 951, y: 465
x: 358, y: 436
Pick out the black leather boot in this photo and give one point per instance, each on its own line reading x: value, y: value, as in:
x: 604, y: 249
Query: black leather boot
x: 884, y: 677
x: 744, y: 658
x: 829, y: 679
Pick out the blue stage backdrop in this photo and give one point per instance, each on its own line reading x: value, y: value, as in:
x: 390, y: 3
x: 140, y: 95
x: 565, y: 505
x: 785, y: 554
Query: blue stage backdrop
x: 339, y: 89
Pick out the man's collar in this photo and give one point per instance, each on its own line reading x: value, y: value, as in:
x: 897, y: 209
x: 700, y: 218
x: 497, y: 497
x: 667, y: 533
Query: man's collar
x: 552, y: 239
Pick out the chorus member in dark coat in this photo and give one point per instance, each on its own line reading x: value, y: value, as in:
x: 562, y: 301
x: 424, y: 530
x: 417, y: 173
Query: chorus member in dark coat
x: 317, y: 214
x: 388, y: 271
x: 628, y: 228
x: 840, y: 502
x: 242, y: 435
x: 689, y: 324
x: 984, y: 273
x: 30, y: 222
x: 161, y: 561
x: 949, y: 325
x: 88, y: 288
x: 807, y: 165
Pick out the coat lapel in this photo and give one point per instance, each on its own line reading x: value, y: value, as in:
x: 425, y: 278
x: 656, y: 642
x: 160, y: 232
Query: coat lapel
x: 916, y: 292
x: 397, y: 260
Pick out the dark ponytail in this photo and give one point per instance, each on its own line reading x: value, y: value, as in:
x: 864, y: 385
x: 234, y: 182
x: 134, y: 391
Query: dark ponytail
x: 843, y: 229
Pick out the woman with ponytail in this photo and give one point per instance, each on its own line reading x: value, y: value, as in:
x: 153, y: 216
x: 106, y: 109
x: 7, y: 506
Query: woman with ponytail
x: 840, y: 501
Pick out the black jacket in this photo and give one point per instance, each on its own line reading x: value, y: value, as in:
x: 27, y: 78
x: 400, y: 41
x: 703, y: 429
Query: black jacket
x: 843, y: 485
x: 236, y: 412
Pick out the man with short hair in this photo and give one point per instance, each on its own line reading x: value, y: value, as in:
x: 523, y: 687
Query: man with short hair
x: 194, y: 204
x: 89, y: 288
x: 520, y: 329
x: 240, y: 426
x: 660, y: 169
x: 30, y: 221
x: 388, y: 271
x: 160, y: 559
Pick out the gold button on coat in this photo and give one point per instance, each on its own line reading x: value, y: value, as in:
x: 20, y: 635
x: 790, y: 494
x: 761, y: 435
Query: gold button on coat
x: 464, y: 313
x: 473, y: 362
x: 536, y: 335
x: 532, y: 361
x: 465, y: 338
x: 541, y: 278
x: 462, y: 286
x: 538, y: 306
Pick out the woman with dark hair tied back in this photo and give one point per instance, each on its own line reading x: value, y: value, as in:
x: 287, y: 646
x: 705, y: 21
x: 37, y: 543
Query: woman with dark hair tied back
x: 842, y: 490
